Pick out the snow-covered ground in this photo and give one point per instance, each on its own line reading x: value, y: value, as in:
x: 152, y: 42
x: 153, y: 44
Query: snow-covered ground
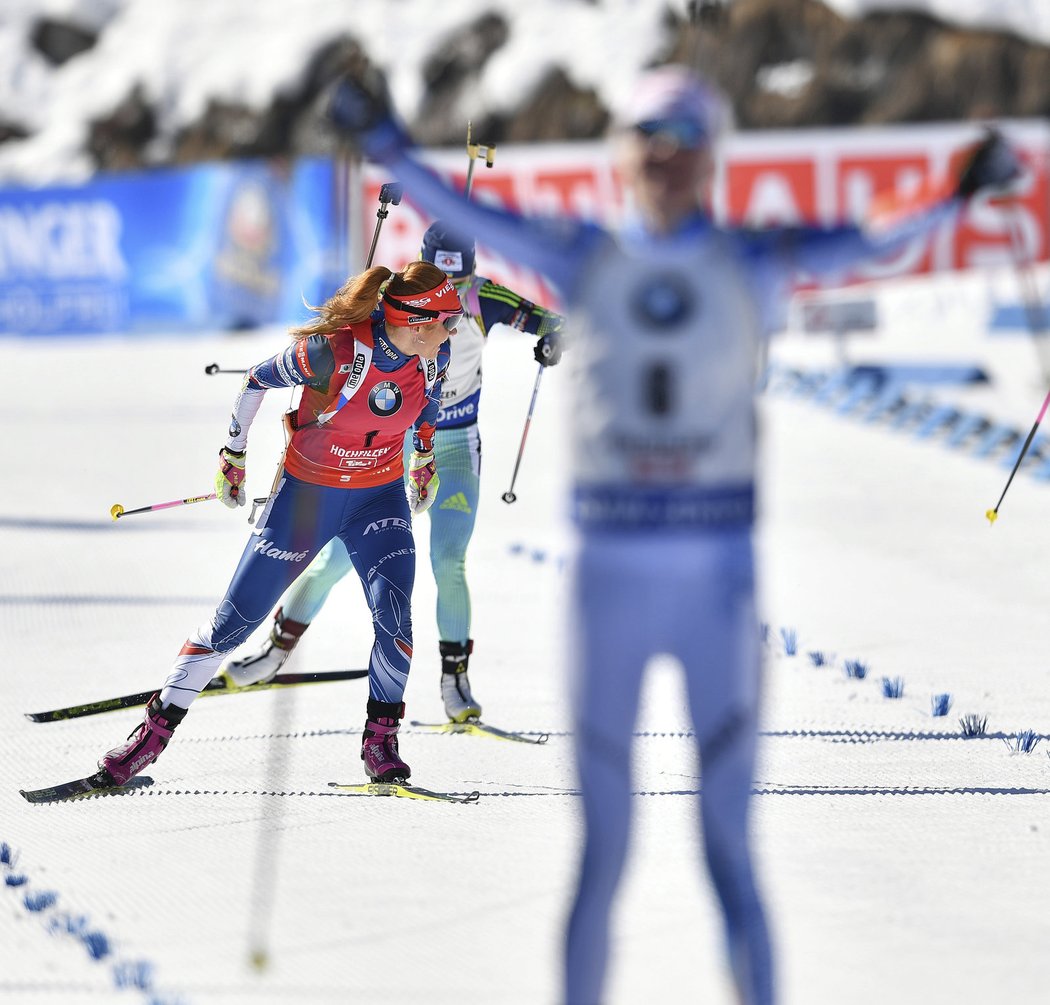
x: 902, y: 863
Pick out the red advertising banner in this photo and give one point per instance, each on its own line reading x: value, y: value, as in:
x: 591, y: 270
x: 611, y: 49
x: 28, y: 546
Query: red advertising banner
x: 818, y: 177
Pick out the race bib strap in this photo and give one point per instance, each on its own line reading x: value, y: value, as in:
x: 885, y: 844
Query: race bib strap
x: 354, y: 381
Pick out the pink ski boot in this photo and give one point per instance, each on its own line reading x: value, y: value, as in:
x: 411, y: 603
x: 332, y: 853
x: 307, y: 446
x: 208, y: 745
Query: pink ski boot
x: 379, y: 742
x: 145, y: 743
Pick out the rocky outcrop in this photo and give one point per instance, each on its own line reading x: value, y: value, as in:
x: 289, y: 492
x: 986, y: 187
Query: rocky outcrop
x: 783, y: 63
x: 788, y: 63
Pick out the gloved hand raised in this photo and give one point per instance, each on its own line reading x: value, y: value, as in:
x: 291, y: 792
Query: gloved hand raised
x: 230, y: 478
x: 548, y: 349
x: 423, y: 481
x: 360, y: 108
x: 992, y: 163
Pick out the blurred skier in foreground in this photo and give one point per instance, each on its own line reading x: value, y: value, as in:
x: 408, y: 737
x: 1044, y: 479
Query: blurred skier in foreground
x: 668, y: 319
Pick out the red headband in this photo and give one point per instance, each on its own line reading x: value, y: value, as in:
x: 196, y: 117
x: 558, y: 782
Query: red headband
x: 422, y: 308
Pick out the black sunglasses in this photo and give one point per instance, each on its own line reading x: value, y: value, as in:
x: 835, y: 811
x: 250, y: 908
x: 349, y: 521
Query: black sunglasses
x: 684, y: 133
x: 450, y: 319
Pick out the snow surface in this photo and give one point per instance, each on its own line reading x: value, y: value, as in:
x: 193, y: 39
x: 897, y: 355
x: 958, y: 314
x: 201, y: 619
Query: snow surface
x: 902, y: 863
x: 184, y: 54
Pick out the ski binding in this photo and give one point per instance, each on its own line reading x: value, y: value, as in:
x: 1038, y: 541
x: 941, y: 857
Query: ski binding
x: 475, y: 727
x: 406, y: 791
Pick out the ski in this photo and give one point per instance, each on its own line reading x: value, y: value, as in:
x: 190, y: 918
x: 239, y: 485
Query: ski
x: 97, y: 784
x: 406, y: 792
x: 216, y: 686
x: 475, y: 727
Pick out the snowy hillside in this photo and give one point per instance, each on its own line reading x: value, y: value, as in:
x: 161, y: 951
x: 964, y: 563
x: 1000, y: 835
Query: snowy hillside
x: 176, y: 56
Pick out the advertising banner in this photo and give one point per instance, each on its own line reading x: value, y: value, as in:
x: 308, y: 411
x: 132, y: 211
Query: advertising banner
x: 240, y: 244
x: 227, y: 245
x: 765, y: 179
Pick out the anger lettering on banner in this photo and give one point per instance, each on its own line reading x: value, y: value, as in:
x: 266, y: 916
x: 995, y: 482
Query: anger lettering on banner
x: 200, y: 247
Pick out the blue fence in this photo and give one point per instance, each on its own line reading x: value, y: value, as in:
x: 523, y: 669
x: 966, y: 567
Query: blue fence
x: 228, y: 245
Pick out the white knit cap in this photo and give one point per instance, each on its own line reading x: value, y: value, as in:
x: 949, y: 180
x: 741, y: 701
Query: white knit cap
x: 673, y: 93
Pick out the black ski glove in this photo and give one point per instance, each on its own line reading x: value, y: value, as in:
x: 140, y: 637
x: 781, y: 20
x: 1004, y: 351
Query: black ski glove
x: 993, y: 163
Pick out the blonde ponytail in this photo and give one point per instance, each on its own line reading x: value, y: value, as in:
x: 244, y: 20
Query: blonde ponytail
x: 353, y: 301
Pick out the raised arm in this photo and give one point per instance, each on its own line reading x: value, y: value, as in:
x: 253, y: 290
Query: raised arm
x: 553, y: 247
x: 991, y: 164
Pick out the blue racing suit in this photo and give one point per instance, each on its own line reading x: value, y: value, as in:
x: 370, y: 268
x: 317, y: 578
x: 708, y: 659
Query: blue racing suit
x: 372, y: 522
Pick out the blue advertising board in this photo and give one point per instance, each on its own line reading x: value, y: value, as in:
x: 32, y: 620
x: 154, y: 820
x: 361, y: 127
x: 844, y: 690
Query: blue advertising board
x: 226, y: 245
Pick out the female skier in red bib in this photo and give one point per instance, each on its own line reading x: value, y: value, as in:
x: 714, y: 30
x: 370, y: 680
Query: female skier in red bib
x: 370, y: 369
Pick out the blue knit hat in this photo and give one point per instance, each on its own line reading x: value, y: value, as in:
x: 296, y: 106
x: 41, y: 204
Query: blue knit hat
x: 449, y: 249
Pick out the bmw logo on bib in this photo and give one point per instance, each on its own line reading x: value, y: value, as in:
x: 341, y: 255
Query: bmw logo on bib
x: 663, y: 303
x: 385, y: 398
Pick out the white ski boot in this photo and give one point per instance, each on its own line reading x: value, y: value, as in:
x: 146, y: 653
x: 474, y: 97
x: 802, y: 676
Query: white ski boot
x: 263, y: 665
x: 460, y: 705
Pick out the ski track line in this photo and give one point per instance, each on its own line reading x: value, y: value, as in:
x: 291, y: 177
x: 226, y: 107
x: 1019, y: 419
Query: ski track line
x: 859, y: 735
x: 762, y: 789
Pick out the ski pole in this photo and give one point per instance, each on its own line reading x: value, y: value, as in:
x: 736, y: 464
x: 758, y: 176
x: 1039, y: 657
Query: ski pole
x: 267, y: 843
x: 389, y: 194
x: 993, y: 513
x: 117, y: 511
x: 215, y: 368
x: 473, y: 153
x: 1035, y: 316
x: 509, y: 496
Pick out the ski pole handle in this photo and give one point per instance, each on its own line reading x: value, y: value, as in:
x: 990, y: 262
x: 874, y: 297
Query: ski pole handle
x: 117, y: 511
x: 389, y: 195
x: 391, y: 192
x: 509, y: 496
x: 474, y: 151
